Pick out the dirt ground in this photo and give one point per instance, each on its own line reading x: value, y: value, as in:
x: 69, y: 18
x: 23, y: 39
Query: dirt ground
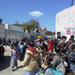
x: 5, y: 67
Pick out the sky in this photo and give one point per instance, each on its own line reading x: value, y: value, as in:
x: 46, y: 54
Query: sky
x: 44, y: 11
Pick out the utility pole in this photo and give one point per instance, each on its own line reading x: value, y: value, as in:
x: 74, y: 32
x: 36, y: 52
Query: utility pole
x: 72, y: 3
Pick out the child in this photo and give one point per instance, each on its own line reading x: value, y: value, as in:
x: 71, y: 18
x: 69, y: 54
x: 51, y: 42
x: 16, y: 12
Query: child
x: 14, y: 58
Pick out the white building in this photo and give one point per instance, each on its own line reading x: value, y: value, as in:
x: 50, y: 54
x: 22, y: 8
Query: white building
x: 65, y: 22
x: 14, y: 28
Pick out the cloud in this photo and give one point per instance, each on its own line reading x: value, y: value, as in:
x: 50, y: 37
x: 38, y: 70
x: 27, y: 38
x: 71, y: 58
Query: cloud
x: 36, y: 13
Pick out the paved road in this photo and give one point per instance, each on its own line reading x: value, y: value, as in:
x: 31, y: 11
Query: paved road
x: 5, y: 67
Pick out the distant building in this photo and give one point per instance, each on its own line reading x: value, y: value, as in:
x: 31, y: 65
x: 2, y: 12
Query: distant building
x: 42, y: 31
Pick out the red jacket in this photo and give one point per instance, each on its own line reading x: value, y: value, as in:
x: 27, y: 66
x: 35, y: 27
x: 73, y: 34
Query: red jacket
x: 50, y: 45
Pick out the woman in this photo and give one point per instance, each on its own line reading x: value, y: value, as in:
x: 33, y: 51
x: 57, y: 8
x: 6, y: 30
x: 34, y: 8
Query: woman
x: 32, y: 57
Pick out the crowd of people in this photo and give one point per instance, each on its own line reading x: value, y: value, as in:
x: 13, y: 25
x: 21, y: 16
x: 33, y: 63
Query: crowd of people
x: 44, y: 56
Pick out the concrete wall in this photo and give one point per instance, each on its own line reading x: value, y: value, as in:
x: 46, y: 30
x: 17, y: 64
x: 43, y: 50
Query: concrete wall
x: 2, y: 31
x: 65, y: 19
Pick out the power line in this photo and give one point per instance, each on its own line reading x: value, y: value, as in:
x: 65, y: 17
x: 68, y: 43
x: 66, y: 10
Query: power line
x: 6, y: 21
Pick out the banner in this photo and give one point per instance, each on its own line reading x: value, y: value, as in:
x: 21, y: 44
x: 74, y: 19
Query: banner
x: 73, y: 31
x: 68, y: 31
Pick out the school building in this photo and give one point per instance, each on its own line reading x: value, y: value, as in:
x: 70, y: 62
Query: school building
x: 65, y: 21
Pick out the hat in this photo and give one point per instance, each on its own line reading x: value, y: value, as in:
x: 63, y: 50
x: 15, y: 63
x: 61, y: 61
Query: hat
x: 39, y: 36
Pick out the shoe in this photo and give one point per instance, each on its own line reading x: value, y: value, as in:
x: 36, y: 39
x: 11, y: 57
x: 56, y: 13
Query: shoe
x: 12, y: 69
x: 16, y: 67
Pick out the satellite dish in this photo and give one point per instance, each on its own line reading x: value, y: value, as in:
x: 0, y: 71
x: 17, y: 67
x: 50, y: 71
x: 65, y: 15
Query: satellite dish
x: 0, y: 20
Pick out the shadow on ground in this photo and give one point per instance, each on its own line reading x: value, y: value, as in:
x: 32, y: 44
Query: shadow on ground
x: 6, y: 63
x: 18, y: 68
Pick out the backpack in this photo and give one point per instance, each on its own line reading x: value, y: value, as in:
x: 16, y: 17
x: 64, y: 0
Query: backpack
x: 1, y: 49
x: 20, y: 48
x: 61, y: 67
x: 55, y: 71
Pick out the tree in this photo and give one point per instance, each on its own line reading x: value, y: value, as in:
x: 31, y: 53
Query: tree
x: 30, y: 25
x: 34, y: 23
x: 50, y: 33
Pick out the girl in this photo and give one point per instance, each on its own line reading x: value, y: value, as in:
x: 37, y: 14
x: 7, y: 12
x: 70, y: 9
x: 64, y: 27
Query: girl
x: 14, y: 58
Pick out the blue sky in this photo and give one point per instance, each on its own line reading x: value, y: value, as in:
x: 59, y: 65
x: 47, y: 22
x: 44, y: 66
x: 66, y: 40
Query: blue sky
x: 44, y: 11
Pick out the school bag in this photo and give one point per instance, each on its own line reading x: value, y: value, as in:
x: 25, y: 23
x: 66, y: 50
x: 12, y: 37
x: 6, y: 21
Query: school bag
x: 48, y: 72
x: 61, y: 67
x: 55, y: 71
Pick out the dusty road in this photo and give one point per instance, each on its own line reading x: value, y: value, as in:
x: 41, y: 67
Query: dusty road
x: 5, y: 67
